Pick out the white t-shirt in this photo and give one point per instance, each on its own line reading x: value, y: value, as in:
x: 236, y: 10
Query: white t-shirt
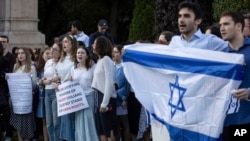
x: 63, y: 68
x: 49, y: 73
x: 84, y: 77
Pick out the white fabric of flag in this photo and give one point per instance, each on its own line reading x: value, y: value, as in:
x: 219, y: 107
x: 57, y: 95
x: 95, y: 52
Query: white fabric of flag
x: 187, y: 89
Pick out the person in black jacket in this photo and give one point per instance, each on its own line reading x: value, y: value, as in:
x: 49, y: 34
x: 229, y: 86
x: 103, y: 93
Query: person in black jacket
x: 102, y: 27
x: 4, y: 104
x: 9, y: 61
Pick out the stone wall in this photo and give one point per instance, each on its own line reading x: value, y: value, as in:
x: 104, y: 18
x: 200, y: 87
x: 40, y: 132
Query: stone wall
x: 19, y: 21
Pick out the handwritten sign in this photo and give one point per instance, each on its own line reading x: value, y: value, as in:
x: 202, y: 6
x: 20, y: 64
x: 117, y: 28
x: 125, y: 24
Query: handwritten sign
x: 20, y: 87
x: 70, y: 98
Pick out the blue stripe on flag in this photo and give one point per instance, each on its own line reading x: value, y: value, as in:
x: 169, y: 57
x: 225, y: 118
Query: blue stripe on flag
x: 178, y: 134
x: 229, y: 105
x: 183, y: 64
x: 236, y: 108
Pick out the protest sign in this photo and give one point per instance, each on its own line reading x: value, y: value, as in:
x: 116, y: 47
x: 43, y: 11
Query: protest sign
x: 20, y: 87
x: 70, y: 98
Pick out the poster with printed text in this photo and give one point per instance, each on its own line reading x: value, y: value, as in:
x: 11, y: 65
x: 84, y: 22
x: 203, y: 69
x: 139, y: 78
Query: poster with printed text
x: 70, y: 98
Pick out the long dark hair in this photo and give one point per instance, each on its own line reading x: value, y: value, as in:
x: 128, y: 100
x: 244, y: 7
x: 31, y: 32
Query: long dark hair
x: 41, y: 62
x: 103, y: 47
x: 88, y: 61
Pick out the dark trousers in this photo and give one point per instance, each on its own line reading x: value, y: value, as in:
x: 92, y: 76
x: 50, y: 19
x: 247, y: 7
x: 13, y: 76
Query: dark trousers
x: 4, y: 121
x: 134, y: 110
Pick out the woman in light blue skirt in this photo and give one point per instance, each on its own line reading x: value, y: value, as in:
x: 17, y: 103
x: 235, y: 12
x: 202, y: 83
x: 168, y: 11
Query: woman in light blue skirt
x: 84, y: 122
x: 82, y: 72
x: 67, y: 58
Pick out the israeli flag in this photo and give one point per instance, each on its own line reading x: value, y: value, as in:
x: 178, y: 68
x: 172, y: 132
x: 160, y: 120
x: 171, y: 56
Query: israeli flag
x: 186, y: 89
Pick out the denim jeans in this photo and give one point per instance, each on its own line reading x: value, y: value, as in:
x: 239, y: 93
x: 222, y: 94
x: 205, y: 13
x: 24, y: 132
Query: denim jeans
x: 52, y: 120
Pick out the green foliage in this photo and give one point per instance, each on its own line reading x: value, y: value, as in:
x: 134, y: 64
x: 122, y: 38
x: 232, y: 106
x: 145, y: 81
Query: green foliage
x: 142, y: 24
x: 166, y: 16
x: 224, y: 5
x: 207, y: 8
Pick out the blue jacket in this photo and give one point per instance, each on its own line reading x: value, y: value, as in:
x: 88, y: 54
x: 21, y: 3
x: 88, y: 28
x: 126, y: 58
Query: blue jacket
x: 243, y: 115
x: 122, y: 84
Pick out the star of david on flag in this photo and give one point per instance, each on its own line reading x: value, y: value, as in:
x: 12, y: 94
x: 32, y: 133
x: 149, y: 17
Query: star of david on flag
x: 175, y: 89
x: 186, y: 89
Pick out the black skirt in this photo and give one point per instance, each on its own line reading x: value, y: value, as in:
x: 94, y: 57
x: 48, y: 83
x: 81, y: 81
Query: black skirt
x: 24, y: 123
x: 107, y: 121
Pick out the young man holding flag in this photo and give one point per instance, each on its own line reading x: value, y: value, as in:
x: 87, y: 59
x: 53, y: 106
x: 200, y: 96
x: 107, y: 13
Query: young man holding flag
x: 190, y: 17
x: 186, y: 95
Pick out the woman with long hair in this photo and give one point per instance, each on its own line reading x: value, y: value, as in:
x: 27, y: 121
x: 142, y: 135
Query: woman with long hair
x: 105, y: 94
x: 40, y: 108
x: 24, y: 123
x: 66, y: 62
x: 52, y: 121
x: 82, y: 71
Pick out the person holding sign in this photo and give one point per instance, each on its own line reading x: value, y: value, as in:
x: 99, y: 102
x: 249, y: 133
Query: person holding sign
x: 105, y: 94
x: 82, y: 72
x: 24, y: 123
x: 66, y: 62
x: 52, y: 120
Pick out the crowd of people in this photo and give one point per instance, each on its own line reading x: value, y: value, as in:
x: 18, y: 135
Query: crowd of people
x: 95, y: 62
x: 98, y: 70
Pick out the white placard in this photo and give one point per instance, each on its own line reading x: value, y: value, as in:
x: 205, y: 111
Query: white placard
x: 70, y: 98
x: 20, y: 87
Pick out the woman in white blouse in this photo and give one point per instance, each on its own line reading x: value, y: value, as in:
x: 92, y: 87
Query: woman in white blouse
x: 24, y: 123
x: 66, y: 62
x: 105, y: 94
x: 52, y: 121
x: 82, y: 72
